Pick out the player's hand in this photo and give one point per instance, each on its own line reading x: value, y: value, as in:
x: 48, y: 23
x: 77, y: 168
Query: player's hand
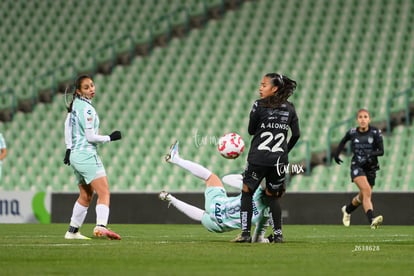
x: 66, y: 160
x: 116, y: 135
x: 338, y: 160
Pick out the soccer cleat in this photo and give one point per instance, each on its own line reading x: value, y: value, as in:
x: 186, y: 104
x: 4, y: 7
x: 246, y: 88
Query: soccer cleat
x: 242, y: 239
x: 346, y: 218
x: 278, y: 239
x: 275, y: 238
x: 164, y: 196
x: 170, y: 156
x: 376, y: 222
x: 75, y: 236
x: 102, y: 231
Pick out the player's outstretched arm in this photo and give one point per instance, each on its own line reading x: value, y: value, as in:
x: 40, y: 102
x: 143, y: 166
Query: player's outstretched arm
x: 233, y: 180
x: 260, y: 230
x: 96, y: 138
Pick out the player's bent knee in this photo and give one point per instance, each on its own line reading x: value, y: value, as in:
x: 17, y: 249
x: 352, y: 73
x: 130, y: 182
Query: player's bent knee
x: 214, y: 181
x: 276, y: 190
x: 276, y: 194
x: 247, y: 190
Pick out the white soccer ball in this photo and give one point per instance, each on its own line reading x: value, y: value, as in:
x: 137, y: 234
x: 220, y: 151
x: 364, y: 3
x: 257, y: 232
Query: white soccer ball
x: 230, y: 145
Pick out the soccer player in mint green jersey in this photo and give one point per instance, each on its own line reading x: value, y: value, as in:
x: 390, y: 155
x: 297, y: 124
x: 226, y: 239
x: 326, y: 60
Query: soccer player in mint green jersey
x: 82, y: 138
x: 222, y: 213
x: 3, y: 151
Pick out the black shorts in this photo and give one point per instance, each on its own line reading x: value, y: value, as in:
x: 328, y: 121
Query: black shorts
x: 370, y: 173
x: 275, y: 178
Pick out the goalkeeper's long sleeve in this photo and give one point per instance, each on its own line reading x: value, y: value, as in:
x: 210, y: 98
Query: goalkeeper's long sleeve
x: 260, y: 229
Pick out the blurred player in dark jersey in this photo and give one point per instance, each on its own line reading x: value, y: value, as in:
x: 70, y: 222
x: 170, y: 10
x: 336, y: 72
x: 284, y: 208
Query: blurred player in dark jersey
x: 366, y: 145
x: 270, y: 119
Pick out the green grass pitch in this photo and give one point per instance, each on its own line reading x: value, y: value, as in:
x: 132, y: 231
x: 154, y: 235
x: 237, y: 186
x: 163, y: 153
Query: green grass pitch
x: 37, y: 249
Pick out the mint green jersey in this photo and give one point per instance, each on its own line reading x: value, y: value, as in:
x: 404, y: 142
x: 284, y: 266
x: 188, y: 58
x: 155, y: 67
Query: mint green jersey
x: 83, y: 117
x: 84, y: 158
x: 222, y: 213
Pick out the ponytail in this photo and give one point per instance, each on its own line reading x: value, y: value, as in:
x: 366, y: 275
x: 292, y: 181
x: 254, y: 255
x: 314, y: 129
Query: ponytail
x: 286, y: 87
x: 69, y: 106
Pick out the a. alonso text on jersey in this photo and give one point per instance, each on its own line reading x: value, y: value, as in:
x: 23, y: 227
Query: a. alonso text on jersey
x: 275, y: 125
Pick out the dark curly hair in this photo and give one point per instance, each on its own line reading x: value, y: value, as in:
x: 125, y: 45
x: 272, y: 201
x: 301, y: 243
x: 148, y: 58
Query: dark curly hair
x: 285, y: 85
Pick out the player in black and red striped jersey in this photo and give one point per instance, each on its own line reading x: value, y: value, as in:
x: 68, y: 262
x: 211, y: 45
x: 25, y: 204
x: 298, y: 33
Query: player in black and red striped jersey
x: 270, y: 120
x: 366, y: 145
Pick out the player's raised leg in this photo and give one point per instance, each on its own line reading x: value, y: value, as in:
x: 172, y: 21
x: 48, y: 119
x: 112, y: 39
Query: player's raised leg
x: 195, y: 169
x: 366, y: 192
x: 346, y: 217
x: 348, y: 209
x: 189, y: 210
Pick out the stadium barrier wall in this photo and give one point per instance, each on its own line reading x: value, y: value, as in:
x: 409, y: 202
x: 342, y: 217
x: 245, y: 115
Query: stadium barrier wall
x: 297, y: 208
x: 25, y: 207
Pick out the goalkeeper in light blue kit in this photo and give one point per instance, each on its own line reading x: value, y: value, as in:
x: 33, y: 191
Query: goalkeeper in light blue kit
x: 222, y: 213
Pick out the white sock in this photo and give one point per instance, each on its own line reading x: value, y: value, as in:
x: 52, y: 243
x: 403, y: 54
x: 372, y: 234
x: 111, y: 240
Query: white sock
x: 191, y: 211
x: 78, y: 215
x: 194, y: 168
x: 102, y: 214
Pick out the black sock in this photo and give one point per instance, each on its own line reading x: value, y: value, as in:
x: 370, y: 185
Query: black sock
x: 73, y: 229
x: 246, y: 212
x: 275, y: 212
x: 370, y: 215
x: 350, y: 208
